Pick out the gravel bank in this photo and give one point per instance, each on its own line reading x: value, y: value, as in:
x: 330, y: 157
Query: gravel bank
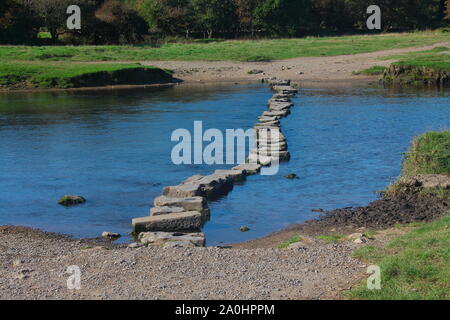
x: 33, y: 265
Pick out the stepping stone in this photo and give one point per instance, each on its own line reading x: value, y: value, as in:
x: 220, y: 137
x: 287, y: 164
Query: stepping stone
x: 268, y: 119
x: 282, y: 155
x: 283, y: 95
x: 272, y: 144
x: 274, y: 100
x: 214, y: 185
x: 248, y: 168
x: 157, y: 211
x: 236, y: 175
x: 270, y: 124
x: 182, y: 221
x: 274, y: 148
x: 284, y: 89
x: 188, y: 204
x: 280, y: 82
x: 273, y: 134
x: 192, y: 179
x: 281, y: 105
x: 162, y: 238
x: 263, y: 160
x: 278, y: 114
x: 183, y: 191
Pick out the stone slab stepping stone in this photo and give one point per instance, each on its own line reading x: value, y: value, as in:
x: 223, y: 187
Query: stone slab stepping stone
x: 280, y: 82
x: 215, y: 185
x: 274, y: 148
x: 269, y: 135
x: 263, y: 160
x: 284, y: 89
x: 190, y: 220
x: 283, y: 95
x: 268, y: 119
x: 281, y: 105
x: 248, y: 168
x: 282, y: 155
x: 236, y: 175
x: 183, y: 191
x: 274, y: 100
x: 188, y: 204
x: 272, y: 144
x: 157, y: 211
x: 278, y: 114
x: 162, y: 238
x: 192, y: 179
x: 270, y: 124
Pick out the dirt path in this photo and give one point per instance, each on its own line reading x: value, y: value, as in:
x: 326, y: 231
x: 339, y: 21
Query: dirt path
x: 308, y: 69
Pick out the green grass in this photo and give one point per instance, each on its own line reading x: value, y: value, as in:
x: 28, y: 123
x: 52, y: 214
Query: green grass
x: 372, y: 71
x: 57, y: 75
x: 413, y: 266
x: 237, y: 50
x: 437, y: 58
x: 287, y: 243
x: 429, y: 154
x: 331, y: 238
x: 44, y: 35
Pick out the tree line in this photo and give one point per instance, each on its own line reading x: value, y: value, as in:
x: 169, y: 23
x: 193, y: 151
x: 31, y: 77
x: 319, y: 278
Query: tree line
x: 132, y: 21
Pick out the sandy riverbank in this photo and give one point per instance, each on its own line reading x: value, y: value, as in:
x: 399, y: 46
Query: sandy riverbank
x: 310, y: 71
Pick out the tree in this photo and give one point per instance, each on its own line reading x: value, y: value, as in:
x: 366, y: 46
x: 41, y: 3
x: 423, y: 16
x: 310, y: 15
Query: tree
x: 18, y: 25
x: 126, y: 23
x: 332, y: 15
x: 285, y: 17
x: 214, y: 15
x: 245, y: 14
x: 447, y: 10
x: 53, y: 15
x: 170, y: 17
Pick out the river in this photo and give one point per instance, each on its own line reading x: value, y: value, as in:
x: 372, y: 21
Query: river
x: 114, y: 147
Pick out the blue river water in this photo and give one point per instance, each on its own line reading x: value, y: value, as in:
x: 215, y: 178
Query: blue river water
x: 114, y: 147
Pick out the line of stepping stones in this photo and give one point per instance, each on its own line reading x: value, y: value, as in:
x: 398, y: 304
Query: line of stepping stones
x: 182, y: 210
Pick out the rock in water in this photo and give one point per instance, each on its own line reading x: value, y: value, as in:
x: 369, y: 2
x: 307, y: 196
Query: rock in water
x: 244, y: 229
x: 69, y: 200
x: 111, y: 235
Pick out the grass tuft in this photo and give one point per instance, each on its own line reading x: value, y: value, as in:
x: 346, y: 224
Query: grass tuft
x: 287, y: 243
x: 331, y: 238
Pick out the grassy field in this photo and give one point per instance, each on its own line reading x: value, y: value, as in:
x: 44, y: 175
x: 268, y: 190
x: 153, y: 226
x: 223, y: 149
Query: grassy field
x: 237, y: 50
x: 413, y: 266
x: 70, y: 75
x: 438, y: 58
